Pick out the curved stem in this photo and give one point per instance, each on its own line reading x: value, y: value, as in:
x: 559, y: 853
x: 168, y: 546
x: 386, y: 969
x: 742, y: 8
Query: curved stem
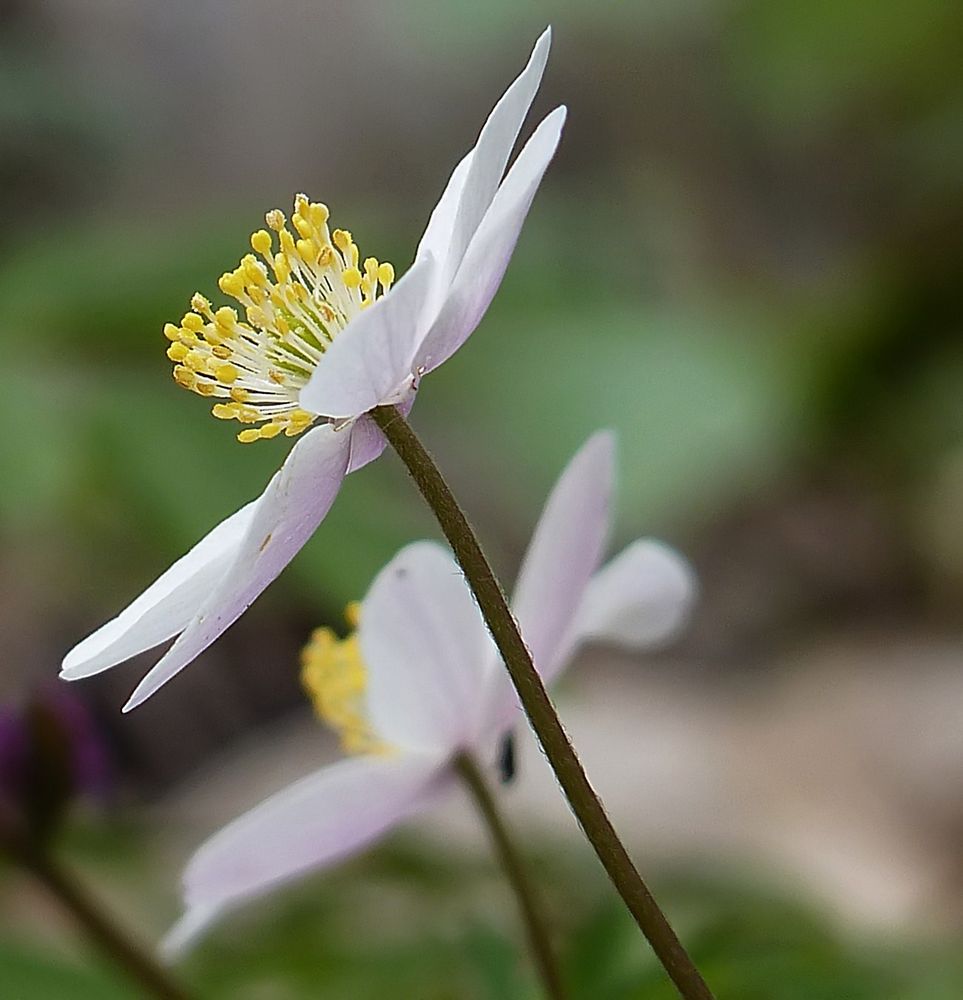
x: 538, y: 707
x: 511, y: 862
x: 139, y: 964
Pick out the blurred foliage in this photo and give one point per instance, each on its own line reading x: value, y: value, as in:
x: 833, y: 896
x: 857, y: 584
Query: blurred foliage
x: 409, y: 922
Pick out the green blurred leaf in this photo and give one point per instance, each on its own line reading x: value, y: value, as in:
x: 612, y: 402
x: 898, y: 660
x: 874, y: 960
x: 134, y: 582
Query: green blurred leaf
x: 27, y: 974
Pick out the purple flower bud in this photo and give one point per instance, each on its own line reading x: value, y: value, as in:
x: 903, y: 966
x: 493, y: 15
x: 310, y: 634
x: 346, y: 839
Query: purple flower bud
x: 50, y: 753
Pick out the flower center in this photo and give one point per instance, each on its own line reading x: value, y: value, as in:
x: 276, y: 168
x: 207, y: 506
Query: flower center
x: 334, y: 676
x: 295, y: 300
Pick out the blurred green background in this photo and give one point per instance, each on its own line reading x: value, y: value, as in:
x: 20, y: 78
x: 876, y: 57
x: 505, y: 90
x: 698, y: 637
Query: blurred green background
x: 746, y: 258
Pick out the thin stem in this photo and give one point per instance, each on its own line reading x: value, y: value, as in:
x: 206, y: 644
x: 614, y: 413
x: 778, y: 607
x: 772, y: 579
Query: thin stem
x: 113, y: 941
x: 515, y: 872
x: 538, y: 707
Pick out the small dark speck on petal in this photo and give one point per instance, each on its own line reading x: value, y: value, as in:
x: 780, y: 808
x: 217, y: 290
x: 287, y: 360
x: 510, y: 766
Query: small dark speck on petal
x: 264, y: 544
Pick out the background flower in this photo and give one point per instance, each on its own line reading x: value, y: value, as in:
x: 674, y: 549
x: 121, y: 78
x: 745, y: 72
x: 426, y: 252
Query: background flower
x: 51, y: 753
x: 433, y: 685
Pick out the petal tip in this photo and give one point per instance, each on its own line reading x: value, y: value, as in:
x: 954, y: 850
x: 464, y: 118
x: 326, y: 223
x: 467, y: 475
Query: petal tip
x: 600, y: 451
x: 137, y: 698
x: 559, y: 114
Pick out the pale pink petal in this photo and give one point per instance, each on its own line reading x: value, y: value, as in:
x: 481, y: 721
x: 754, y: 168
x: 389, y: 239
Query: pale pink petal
x: 642, y: 598
x: 564, y: 552
x: 286, y: 515
x: 490, y: 157
x: 483, y: 267
x: 310, y: 825
x: 370, y: 361
x: 191, y: 927
x: 426, y: 650
x: 436, y: 240
x: 167, y: 605
x: 367, y: 441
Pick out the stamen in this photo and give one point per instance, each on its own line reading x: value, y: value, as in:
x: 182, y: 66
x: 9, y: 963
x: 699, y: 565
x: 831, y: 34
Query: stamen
x: 334, y: 676
x: 295, y: 299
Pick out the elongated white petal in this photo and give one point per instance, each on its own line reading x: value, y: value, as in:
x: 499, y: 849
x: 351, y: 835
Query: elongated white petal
x: 490, y: 155
x: 642, y: 598
x: 483, y: 267
x: 370, y: 362
x: 165, y: 607
x: 188, y: 930
x: 315, y: 822
x: 563, y: 554
x: 436, y: 239
x: 426, y: 650
x: 565, y: 550
x: 295, y: 502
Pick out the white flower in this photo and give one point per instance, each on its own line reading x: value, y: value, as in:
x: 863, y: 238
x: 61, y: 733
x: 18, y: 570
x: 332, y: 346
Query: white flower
x: 324, y: 340
x: 421, y: 680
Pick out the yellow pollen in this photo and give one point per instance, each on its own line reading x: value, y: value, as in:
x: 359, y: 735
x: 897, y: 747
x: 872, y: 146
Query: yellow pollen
x: 302, y: 225
x: 307, y: 251
x: 318, y: 213
x: 335, y: 678
x: 231, y: 284
x: 185, y: 377
x: 293, y: 296
x: 261, y: 241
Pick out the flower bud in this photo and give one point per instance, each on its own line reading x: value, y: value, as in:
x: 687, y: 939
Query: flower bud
x: 50, y: 754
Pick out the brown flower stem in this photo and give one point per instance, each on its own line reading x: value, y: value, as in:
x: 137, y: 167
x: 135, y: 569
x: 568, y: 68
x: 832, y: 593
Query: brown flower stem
x: 584, y: 802
x: 511, y: 863
x: 139, y: 964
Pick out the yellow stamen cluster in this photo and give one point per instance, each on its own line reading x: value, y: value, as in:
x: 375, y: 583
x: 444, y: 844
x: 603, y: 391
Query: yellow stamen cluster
x: 296, y: 295
x: 334, y: 676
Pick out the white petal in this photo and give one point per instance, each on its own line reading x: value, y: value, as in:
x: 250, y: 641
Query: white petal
x: 370, y: 361
x: 565, y: 550
x: 167, y: 605
x: 367, y: 443
x: 188, y: 930
x: 490, y: 156
x: 436, y: 240
x: 315, y: 822
x: 490, y: 250
x: 642, y: 598
x: 295, y: 502
x: 426, y: 650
